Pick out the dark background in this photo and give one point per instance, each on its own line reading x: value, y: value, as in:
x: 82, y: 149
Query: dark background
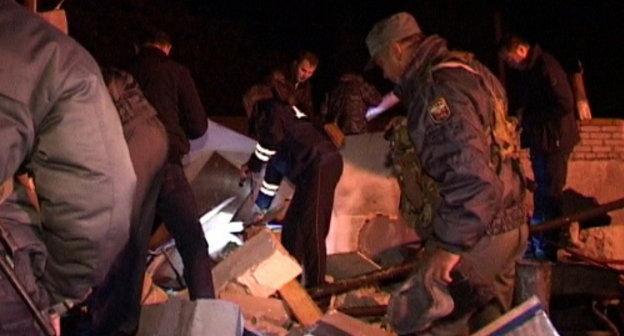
x: 230, y: 45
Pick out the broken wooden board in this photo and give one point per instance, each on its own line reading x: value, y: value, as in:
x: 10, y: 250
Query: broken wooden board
x: 300, y: 303
x: 262, y: 265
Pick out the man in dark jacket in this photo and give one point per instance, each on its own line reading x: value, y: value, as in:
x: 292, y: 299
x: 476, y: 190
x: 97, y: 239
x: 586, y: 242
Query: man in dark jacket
x: 57, y: 122
x: 115, y: 305
x: 461, y: 138
x: 292, y: 85
x: 349, y: 101
x: 541, y: 95
x: 292, y: 147
x: 169, y: 87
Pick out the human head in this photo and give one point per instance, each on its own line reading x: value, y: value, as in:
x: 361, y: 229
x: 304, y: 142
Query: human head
x: 158, y: 39
x: 305, y: 66
x: 391, y: 41
x: 514, y: 50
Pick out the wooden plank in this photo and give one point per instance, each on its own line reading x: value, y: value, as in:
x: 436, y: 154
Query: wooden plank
x: 300, y: 303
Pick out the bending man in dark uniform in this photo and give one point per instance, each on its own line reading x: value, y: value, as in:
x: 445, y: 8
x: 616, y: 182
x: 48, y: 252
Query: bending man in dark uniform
x: 169, y: 87
x: 292, y: 147
x: 456, y: 121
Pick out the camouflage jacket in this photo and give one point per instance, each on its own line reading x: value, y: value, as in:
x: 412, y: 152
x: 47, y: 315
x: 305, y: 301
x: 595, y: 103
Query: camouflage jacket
x: 348, y: 102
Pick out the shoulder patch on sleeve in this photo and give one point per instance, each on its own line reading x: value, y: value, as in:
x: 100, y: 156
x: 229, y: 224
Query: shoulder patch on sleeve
x: 439, y: 110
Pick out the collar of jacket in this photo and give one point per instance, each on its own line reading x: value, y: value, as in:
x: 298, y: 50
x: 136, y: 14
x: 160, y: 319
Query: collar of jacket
x: 428, y: 53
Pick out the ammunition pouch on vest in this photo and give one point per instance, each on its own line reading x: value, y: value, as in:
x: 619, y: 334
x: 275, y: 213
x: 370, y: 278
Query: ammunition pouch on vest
x: 419, y: 192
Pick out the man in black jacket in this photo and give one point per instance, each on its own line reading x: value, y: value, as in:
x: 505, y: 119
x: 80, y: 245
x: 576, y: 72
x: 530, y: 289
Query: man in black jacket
x: 541, y: 95
x: 169, y: 87
x: 292, y: 147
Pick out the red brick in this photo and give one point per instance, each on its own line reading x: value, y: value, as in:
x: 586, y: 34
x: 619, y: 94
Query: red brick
x: 601, y: 149
x: 590, y: 128
x: 583, y: 148
x: 602, y: 121
x: 617, y: 135
x: 600, y: 135
x: 593, y: 142
x: 605, y: 155
x: 584, y: 135
x: 612, y: 129
x: 614, y: 143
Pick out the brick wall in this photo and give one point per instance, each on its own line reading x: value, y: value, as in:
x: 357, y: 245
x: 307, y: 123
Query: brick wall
x: 601, y: 139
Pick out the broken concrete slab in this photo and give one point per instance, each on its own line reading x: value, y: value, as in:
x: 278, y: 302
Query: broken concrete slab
x: 262, y: 265
x: 216, y: 181
x: 348, y: 265
x: 191, y: 318
x: 335, y: 323
x: 264, y: 328
x: 259, y: 309
x: 362, y: 297
x: 233, y: 146
x: 382, y: 233
x: 602, y: 243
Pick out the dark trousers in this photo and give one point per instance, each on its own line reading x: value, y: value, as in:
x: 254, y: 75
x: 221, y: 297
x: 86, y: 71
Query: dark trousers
x: 307, y: 221
x: 550, y: 171
x: 178, y: 209
x: 115, y: 305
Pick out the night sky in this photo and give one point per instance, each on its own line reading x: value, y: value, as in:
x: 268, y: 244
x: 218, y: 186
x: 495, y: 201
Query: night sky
x: 230, y: 45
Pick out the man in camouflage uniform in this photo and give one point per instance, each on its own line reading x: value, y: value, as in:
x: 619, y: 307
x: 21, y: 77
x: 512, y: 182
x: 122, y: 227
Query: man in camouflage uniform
x: 476, y: 225
x: 349, y: 101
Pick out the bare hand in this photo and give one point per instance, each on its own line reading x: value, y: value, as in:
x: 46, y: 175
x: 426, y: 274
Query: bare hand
x: 441, y: 264
x: 243, y: 174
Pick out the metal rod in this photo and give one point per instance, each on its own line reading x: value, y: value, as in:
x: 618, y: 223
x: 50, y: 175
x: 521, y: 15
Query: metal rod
x: 345, y: 285
x: 577, y: 217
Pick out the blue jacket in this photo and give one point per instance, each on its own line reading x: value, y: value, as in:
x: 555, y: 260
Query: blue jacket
x: 450, y: 118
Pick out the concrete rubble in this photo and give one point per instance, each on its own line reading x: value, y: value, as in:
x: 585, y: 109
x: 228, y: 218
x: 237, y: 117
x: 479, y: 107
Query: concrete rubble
x: 367, y: 235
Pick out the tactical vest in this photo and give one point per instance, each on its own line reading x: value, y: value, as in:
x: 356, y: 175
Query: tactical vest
x: 419, y: 191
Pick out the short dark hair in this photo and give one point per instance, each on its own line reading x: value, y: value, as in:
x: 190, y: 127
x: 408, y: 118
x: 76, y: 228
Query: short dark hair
x: 511, y: 41
x: 153, y: 35
x: 309, y: 56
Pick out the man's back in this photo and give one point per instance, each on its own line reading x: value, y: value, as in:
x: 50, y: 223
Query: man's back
x: 170, y: 89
